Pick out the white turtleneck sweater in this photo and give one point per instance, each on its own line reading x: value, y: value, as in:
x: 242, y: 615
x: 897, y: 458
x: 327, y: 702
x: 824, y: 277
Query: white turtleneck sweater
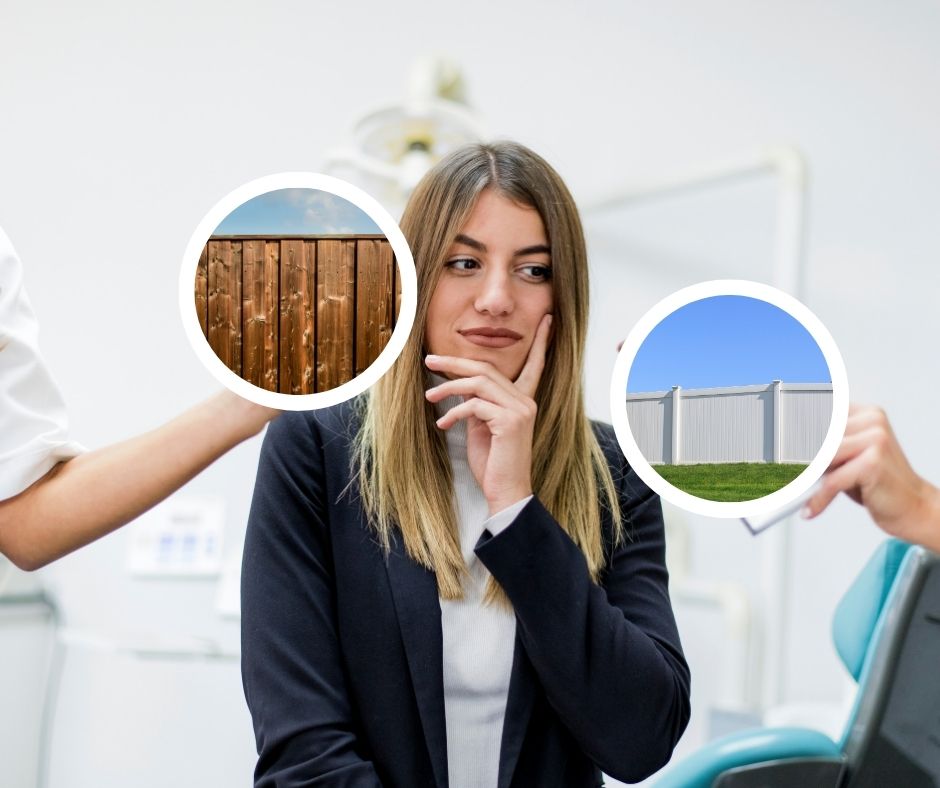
x: 479, y: 639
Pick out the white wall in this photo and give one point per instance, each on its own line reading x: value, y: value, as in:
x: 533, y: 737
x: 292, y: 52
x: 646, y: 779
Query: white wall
x: 732, y: 423
x: 121, y: 127
x: 650, y: 417
x: 805, y: 416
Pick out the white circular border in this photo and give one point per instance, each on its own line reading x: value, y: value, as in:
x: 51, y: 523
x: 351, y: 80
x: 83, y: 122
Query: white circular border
x: 777, y: 500
x: 406, y: 268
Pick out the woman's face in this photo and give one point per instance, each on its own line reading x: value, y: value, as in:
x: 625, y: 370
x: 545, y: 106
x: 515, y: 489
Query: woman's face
x: 495, y: 287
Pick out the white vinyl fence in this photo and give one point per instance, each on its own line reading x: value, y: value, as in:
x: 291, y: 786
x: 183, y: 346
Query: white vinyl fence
x: 775, y: 422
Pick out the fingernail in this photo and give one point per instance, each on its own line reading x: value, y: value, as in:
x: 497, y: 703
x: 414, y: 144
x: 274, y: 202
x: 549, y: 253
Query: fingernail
x: 430, y: 359
x: 805, y: 512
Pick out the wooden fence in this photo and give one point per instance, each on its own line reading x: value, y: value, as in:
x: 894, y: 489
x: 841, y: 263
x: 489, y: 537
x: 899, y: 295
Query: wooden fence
x: 297, y: 314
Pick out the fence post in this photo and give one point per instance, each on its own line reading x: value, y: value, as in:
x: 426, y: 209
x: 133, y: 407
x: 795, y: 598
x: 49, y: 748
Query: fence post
x: 676, y: 408
x: 778, y: 421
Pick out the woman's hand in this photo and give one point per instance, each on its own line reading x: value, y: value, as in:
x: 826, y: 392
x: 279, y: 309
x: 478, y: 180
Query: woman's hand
x: 500, y: 416
x: 871, y: 468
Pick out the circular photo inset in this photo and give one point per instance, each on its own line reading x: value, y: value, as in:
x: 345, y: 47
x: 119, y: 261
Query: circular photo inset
x: 298, y: 291
x: 729, y: 399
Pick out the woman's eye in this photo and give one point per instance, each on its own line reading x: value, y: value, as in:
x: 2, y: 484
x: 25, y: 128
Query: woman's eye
x: 538, y: 273
x: 462, y: 264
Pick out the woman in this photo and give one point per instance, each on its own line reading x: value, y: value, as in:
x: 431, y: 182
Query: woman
x: 458, y: 581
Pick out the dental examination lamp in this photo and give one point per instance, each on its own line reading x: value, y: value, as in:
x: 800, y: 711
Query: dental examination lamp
x: 394, y: 146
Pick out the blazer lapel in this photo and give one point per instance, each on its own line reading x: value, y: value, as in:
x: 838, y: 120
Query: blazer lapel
x: 519, y: 703
x: 414, y: 590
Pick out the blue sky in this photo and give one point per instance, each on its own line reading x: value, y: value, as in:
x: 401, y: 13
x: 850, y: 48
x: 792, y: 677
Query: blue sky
x: 726, y: 341
x: 296, y: 212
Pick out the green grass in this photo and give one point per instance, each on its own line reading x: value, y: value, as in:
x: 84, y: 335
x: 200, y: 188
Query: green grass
x: 732, y: 481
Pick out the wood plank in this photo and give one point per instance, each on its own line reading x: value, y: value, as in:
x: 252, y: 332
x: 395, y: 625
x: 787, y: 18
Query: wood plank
x: 374, y: 296
x: 224, y: 307
x: 305, y: 358
x: 298, y: 264
x: 397, y: 273
x: 202, y: 290
x: 236, y: 284
x: 270, y: 299
x: 252, y: 320
x: 259, y: 313
x: 336, y: 268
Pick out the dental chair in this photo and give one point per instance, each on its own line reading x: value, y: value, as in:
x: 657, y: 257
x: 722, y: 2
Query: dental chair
x: 886, y: 629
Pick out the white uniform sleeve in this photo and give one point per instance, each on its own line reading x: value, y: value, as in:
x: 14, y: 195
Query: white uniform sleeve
x: 33, y: 420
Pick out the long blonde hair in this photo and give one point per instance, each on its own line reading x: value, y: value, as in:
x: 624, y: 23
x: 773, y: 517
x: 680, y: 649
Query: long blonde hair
x: 400, y: 458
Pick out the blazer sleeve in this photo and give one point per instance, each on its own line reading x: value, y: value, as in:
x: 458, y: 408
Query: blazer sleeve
x: 608, y: 656
x: 291, y: 664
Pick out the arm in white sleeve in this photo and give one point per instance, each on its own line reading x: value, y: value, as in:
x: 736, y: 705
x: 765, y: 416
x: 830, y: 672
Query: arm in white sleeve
x: 33, y: 420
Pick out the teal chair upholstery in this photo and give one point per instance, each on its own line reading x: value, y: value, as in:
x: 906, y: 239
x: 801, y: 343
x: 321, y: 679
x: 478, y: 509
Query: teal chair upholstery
x: 886, y: 630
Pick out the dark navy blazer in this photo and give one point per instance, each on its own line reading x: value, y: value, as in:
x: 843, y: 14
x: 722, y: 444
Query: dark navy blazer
x: 342, y: 658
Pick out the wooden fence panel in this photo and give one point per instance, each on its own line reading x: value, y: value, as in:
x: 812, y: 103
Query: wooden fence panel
x: 259, y: 314
x: 202, y: 289
x: 397, y: 275
x: 297, y: 314
x: 335, y: 323
x: 298, y: 269
x: 223, y: 319
x: 373, y: 302
x: 272, y: 313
